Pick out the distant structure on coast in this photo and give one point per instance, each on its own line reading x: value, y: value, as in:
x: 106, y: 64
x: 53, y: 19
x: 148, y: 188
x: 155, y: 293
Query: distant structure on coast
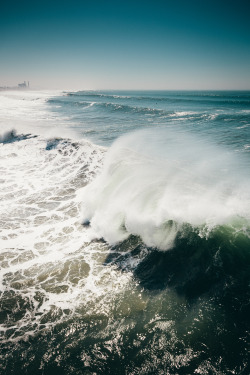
x: 24, y: 84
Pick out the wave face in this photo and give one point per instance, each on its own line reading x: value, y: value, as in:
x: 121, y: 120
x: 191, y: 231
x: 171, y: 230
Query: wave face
x: 128, y: 259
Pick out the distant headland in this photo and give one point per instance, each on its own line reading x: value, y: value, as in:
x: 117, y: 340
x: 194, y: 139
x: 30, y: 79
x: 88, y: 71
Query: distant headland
x: 20, y: 86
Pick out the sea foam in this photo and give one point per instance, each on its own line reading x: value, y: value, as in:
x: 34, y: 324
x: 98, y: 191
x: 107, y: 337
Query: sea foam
x: 27, y: 112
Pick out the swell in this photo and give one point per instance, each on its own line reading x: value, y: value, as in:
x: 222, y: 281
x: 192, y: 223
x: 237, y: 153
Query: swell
x: 61, y: 101
x: 160, y: 113
x: 241, y: 99
x: 97, y: 95
x: 132, y: 105
x: 122, y: 108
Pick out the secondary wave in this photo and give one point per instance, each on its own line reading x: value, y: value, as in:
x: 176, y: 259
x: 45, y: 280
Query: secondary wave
x: 170, y: 97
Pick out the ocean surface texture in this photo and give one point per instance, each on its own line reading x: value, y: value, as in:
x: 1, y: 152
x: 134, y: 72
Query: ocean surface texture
x: 124, y: 233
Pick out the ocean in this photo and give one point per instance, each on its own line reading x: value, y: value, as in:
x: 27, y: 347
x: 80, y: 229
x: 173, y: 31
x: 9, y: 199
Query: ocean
x: 125, y: 232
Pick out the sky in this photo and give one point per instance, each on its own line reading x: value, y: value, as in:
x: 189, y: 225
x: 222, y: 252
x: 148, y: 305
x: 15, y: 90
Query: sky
x: 149, y: 44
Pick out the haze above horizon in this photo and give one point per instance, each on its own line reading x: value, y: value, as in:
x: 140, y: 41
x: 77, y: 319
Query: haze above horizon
x: 155, y: 45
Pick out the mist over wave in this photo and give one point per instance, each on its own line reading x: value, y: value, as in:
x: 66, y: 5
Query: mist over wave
x: 153, y: 183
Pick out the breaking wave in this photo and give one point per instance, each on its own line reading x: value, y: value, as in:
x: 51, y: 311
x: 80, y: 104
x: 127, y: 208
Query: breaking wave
x: 154, y: 184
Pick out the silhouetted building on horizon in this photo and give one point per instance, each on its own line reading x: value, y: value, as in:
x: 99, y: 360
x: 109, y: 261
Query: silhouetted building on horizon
x: 24, y: 84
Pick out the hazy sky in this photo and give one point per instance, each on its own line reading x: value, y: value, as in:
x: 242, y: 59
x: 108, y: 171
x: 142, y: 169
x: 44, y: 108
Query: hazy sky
x: 149, y: 44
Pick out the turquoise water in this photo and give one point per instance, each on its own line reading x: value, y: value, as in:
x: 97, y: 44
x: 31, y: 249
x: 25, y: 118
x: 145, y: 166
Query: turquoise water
x: 125, y: 233
x: 104, y: 116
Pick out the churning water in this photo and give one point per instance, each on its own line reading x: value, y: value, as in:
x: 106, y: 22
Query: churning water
x: 125, y: 232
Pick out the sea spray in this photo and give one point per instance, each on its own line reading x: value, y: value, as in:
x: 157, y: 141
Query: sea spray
x: 154, y: 182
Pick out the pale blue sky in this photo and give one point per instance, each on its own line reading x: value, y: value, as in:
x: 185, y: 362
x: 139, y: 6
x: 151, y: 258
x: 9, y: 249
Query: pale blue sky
x: 126, y: 44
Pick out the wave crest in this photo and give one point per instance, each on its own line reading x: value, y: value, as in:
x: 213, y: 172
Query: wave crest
x: 153, y: 184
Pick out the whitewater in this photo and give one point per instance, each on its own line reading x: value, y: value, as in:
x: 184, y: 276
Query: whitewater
x: 125, y: 232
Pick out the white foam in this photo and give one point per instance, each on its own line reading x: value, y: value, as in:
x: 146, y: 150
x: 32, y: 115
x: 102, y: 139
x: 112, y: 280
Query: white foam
x: 44, y: 249
x: 155, y: 181
x: 28, y: 112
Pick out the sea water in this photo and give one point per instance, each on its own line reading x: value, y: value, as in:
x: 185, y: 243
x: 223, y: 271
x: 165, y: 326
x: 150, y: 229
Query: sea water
x: 125, y: 232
